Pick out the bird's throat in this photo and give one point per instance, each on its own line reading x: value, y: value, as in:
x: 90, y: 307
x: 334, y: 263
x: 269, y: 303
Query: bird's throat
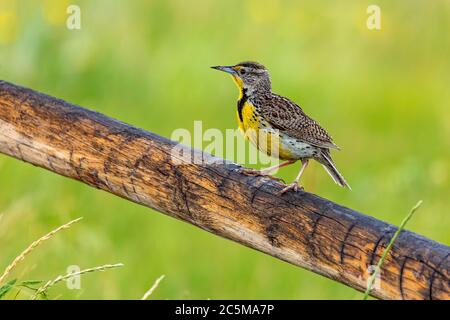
x: 243, y: 97
x: 240, y: 86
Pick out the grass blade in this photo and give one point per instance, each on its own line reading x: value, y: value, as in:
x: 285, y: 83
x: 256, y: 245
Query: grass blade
x: 388, y: 248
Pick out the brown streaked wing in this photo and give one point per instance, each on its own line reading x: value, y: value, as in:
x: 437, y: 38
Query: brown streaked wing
x: 290, y: 119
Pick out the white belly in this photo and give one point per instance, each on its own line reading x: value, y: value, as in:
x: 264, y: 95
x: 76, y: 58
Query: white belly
x: 297, y: 148
x: 281, y: 145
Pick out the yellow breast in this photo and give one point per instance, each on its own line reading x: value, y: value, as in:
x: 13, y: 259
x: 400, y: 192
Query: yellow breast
x: 261, y: 136
x: 249, y: 119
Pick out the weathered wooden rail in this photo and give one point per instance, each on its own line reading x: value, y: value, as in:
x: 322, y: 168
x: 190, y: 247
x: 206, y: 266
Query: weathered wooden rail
x: 301, y: 228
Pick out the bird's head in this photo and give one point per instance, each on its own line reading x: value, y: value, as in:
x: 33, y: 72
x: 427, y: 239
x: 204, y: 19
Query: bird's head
x: 248, y: 76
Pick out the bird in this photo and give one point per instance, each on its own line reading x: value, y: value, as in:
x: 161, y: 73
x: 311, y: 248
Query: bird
x: 278, y: 126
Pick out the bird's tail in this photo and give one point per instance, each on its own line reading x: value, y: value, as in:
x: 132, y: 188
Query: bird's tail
x: 328, y: 164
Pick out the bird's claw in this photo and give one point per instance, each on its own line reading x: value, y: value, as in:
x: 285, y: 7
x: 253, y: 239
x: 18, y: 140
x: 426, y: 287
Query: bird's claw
x: 292, y: 186
x: 258, y: 173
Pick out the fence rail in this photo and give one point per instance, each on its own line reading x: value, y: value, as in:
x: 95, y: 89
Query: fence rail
x: 300, y: 228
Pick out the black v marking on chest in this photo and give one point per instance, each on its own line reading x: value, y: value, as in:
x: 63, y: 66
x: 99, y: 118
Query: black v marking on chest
x: 241, y: 102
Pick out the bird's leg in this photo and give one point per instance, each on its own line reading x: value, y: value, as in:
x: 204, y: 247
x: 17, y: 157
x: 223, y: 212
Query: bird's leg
x: 295, y: 185
x: 267, y: 171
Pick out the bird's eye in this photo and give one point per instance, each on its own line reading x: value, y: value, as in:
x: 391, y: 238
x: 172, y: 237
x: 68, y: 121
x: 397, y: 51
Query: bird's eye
x: 242, y: 71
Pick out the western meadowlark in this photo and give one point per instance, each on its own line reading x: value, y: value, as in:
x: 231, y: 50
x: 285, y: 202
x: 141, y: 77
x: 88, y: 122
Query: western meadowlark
x: 270, y: 115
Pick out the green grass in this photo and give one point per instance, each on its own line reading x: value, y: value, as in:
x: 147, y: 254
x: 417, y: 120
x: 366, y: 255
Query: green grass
x: 388, y: 248
x: 383, y: 95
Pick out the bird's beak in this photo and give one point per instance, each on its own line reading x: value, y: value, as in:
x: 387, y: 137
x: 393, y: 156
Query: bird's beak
x: 227, y: 69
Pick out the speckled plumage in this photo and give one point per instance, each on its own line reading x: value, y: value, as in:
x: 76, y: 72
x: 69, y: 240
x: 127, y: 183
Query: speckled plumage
x: 289, y: 118
x: 261, y: 110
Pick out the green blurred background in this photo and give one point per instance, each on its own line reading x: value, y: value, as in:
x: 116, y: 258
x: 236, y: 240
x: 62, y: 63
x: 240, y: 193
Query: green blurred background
x: 383, y: 95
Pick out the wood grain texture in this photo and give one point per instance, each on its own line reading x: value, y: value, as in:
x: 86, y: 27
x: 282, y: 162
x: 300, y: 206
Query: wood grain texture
x: 300, y: 228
